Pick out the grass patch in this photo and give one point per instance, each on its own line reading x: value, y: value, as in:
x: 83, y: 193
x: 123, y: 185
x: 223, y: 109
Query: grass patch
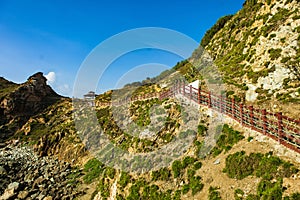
x: 93, y: 168
x: 274, y: 53
x: 214, y: 194
x: 226, y: 140
x: 239, y: 165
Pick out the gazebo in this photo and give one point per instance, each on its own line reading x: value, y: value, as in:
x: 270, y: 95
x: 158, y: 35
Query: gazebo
x: 90, y: 96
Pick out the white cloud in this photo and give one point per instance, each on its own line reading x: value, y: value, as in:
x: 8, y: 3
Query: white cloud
x: 50, y: 77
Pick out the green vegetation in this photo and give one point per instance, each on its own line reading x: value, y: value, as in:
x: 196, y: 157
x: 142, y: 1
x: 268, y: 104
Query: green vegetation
x: 252, y: 197
x: 270, y: 168
x: 212, y: 31
x: 272, y: 36
x: 195, y: 184
x: 262, y: 73
x: 197, y: 165
x: 109, y: 172
x: 202, y: 129
x: 270, y: 190
x: 190, y: 165
x: 274, y: 53
x: 37, y: 130
x: 283, y: 40
x: 177, y: 168
x: 141, y: 109
x: 103, y: 187
x: 229, y: 94
x: 140, y: 115
x: 240, y: 165
x: 280, y: 16
x: 73, y: 177
x: 141, y: 189
x: 124, y: 179
x: 238, y: 194
x: 105, y: 97
x: 295, y: 196
x: 93, y: 168
x: 188, y: 70
x: 249, y: 139
x: 163, y: 174
x: 6, y: 87
x: 226, y: 140
x: 214, y: 194
x: 234, y: 57
x: 285, y: 59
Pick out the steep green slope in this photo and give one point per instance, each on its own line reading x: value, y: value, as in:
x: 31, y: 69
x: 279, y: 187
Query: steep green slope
x: 6, y: 87
x: 258, y: 50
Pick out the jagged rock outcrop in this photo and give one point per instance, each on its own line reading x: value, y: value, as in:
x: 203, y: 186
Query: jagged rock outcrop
x: 29, y: 98
x: 19, y: 102
x: 33, y: 112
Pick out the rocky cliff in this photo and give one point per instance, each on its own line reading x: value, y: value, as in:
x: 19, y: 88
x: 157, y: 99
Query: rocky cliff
x: 19, y: 102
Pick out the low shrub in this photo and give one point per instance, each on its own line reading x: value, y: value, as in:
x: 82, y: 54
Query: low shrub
x: 227, y: 139
x: 214, y: 194
x: 93, y: 168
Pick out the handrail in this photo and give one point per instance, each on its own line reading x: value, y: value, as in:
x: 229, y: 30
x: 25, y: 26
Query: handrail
x: 281, y: 128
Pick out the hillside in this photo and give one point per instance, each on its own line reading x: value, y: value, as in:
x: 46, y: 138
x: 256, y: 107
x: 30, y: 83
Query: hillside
x: 52, y: 141
x: 258, y: 51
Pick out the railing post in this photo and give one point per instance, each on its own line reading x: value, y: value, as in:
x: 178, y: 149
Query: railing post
x: 174, y: 89
x: 242, y: 113
x: 221, y: 104
x: 264, y: 119
x: 251, y: 116
x: 191, y: 90
x: 199, y: 96
x: 280, y: 131
x: 209, y: 99
x: 233, y: 108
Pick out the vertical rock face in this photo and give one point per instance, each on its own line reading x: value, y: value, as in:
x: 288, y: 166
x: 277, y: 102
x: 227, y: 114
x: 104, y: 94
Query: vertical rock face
x: 24, y: 101
x: 31, y: 97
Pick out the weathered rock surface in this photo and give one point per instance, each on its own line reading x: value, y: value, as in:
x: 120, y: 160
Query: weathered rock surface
x: 19, y: 102
x: 24, y: 175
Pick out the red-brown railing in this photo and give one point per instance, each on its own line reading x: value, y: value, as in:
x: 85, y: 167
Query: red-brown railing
x: 281, y: 128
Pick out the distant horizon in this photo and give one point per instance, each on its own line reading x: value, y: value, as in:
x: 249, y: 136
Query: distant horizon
x: 55, y: 37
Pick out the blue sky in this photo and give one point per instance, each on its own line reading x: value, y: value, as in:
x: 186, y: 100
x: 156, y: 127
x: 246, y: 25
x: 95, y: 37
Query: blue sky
x: 56, y: 36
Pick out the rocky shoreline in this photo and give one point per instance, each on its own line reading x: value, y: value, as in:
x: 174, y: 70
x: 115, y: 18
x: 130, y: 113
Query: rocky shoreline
x: 24, y: 175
